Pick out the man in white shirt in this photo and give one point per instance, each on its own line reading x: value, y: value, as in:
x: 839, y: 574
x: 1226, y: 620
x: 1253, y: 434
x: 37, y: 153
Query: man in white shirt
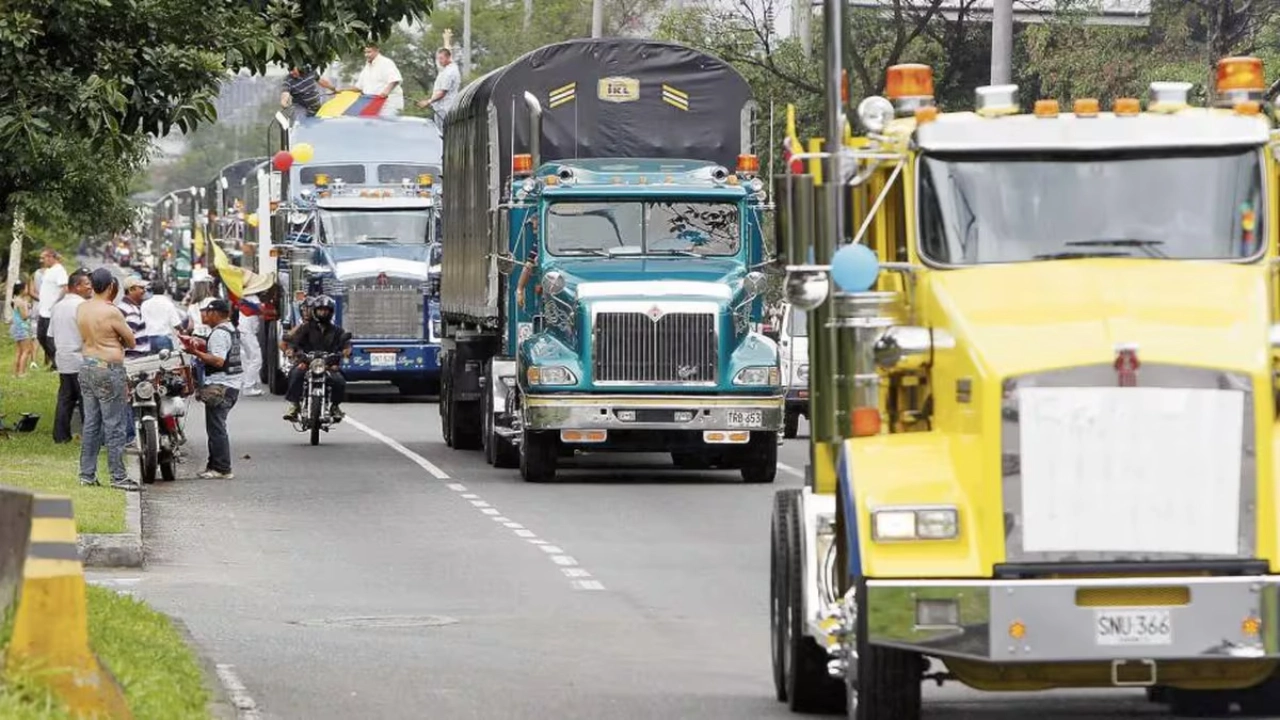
x: 66, y: 337
x: 53, y: 284
x: 444, y: 95
x: 381, y: 78
x: 161, y: 316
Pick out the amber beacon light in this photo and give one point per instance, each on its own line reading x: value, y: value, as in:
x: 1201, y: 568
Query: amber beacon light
x: 909, y: 81
x: 1241, y: 73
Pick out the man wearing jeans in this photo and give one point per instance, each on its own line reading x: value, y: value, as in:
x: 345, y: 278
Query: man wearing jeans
x: 103, y: 383
x: 223, y: 371
x: 67, y: 342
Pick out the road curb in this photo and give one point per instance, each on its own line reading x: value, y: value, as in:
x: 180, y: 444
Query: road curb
x: 117, y: 550
x: 221, y: 706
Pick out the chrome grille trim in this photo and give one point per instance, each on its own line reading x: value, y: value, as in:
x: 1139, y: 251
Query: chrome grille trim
x: 390, y: 312
x: 1153, y: 376
x: 680, y: 347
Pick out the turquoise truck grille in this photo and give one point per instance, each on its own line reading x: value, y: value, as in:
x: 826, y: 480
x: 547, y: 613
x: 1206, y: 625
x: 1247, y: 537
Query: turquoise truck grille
x: 637, y: 348
x: 393, y: 312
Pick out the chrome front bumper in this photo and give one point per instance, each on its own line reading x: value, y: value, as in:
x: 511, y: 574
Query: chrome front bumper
x: 652, y: 412
x: 1075, y: 620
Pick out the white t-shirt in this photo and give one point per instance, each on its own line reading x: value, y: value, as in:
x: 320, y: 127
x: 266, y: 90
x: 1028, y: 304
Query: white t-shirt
x: 450, y: 81
x: 52, y: 284
x: 161, y: 315
x: 376, y: 76
x: 66, y: 334
x: 193, y: 313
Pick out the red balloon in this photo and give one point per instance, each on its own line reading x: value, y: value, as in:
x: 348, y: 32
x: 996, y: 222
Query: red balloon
x: 282, y: 160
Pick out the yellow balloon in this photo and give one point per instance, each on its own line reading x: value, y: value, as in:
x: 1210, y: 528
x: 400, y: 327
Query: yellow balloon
x: 302, y: 152
x: 252, y: 220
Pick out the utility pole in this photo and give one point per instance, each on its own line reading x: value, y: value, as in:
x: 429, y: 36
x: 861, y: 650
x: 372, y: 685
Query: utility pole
x: 1001, y: 42
x: 15, y: 261
x: 528, y: 14
x: 802, y: 19
x: 597, y: 18
x: 466, y: 37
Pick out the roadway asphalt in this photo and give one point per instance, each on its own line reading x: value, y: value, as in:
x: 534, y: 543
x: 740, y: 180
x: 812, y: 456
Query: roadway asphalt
x: 383, y: 575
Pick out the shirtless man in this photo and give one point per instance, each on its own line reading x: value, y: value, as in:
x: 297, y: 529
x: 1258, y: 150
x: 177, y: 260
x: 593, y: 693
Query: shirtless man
x: 103, y: 384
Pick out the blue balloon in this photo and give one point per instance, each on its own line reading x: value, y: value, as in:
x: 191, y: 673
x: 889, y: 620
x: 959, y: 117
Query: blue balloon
x: 855, y: 268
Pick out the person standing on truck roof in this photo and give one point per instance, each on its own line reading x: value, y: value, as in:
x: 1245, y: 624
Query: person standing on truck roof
x: 444, y: 95
x: 381, y: 78
x: 302, y: 88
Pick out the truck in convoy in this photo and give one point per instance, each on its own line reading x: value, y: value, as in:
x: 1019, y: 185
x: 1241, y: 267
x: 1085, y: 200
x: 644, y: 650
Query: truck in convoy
x: 357, y: 222
x: 793, y: 344
x: 600, y: 242
x: 1043, y: 383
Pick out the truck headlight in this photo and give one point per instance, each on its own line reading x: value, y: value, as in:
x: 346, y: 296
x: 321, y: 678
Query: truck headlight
x: 936, y: 523
x: 802, y: 373
x: 551, y: 375
x: 761, y: 375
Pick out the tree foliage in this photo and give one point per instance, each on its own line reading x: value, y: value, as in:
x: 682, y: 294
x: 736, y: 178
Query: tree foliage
x: 88, y: 83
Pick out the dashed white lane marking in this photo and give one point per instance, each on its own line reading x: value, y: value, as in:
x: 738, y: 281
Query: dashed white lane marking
x: 557, y: 555
x: 246, y: 708
x: 790, y: 470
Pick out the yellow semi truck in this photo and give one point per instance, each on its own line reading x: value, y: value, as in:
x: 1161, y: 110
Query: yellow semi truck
x: 1043, y: 386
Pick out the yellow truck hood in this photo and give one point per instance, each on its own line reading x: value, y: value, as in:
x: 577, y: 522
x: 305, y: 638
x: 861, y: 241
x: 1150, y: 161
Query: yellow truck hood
x: 1026, y: 317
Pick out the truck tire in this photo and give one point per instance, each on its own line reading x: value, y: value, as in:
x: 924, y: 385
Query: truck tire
x: 791, y: 425
x: 464, y: 428
x: 887, y: 686
x: 778, y: 605
x: 760, y: 462
x: 809, y: 688
x: 539, y: 452
x: 277, y: 379
x: 445, y: 393
x: 1200, y: 703
x: 1263, y: 699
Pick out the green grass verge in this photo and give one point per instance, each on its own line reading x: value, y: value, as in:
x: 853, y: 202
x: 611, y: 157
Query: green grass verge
x: 161, y: 677
x: 32, y: 461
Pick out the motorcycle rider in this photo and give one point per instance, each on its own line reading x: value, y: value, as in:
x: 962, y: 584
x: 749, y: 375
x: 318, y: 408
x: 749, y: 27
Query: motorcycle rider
x: 319, y: 334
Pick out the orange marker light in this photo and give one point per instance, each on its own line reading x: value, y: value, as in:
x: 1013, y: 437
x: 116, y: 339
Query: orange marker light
x: 844, y: 87
x: 1248, y: 107
x: 1241, y: 73
x: 1046, y: 108
x: 1086, y: 107
x: 1126, y: 107
x: 521, y: 164
x: 748, y: 164
x: 926, y: 114
x: 909, y: 80
x: 866, y: 421
x: 1017, y: 630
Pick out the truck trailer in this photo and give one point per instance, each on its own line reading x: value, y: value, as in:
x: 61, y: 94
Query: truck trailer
x: 601, y: 243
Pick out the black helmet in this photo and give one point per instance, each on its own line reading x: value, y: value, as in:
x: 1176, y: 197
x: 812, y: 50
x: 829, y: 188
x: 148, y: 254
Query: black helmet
x: 323, y: 302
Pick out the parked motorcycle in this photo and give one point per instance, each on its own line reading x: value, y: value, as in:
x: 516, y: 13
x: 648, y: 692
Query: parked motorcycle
x: 316, y: 412
x: 158, y: 388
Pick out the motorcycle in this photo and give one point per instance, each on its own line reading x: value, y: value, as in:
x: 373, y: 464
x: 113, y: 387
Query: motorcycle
x: 315, y: 413
x: 158, y: 388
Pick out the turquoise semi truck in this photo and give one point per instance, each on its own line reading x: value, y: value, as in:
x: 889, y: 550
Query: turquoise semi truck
x: 358, y: 223
x: 598, y: 284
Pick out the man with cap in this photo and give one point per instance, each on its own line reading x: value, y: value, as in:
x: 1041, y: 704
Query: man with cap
x: 223, y: 370
x: 103, y: 385
x: 130, y: 303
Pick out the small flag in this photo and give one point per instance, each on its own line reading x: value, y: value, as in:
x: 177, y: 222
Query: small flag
x: 352, y: 104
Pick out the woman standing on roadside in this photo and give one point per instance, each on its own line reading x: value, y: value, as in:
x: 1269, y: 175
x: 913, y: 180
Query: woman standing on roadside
x: 20, y: 329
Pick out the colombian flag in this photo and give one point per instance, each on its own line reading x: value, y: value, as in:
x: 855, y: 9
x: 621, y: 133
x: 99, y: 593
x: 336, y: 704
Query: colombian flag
x: 351, y: 104
x: 231, y: 276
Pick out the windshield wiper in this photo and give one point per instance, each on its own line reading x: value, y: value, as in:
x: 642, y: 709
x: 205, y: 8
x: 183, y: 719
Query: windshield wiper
x: 375, y: 240
x: 684, y: 253
x: 590, y: 251
x: 1147, y: 246
x: 1077, y: 255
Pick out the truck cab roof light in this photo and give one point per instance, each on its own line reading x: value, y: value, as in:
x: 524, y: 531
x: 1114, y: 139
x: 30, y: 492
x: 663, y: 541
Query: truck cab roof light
x: 1046, y: 108
x: 425, y: 180
x: 865, y: 421
x: 521, y: 164
x: 1240, y: 79
x: 1126, y: 107
x: 748, y: 165
x: 996, y: 100
x: 1169, y: 96
x: 1086, y: 107
x: 322, y: 180
x: 909, y: 86
x: 926, y: 114
x: 1248, y: 107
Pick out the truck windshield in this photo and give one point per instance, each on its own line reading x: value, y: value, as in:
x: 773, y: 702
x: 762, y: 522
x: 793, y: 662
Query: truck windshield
x: 643, y: 228
x: 799, y: 325
x: 997, y: 209
x: 354, y: 227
